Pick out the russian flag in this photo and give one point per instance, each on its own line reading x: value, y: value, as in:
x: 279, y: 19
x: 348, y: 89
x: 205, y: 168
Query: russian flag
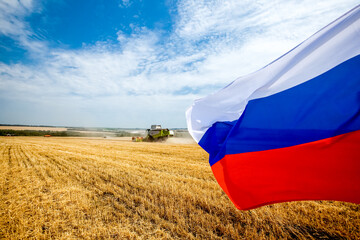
x: 290, y: 131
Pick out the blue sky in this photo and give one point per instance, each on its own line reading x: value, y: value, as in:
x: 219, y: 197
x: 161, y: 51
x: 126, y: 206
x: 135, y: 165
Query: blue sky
x: 127, y: 63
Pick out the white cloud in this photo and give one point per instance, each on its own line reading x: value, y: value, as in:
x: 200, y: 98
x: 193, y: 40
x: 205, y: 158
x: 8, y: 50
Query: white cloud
x: 11, y: 17
x: 13, y: 24
x: 125, y: 3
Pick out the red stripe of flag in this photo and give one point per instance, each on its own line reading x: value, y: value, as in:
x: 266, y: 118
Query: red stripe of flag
x: 327, y: 169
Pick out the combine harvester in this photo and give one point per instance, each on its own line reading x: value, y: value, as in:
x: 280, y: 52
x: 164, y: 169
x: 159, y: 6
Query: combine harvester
x: 155, y: 134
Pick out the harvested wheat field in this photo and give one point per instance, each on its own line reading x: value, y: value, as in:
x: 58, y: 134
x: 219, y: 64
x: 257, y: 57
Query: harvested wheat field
x: 69, y: 188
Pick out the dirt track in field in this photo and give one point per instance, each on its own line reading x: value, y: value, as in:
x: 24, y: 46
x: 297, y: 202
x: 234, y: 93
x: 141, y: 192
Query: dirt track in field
x: 56, y: 129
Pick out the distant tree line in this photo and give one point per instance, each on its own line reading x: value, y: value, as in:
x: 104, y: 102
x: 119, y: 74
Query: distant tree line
x: 5, y: 132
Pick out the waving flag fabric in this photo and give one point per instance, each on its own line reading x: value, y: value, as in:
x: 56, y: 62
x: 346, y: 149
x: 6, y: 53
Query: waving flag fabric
x: 290, y: 131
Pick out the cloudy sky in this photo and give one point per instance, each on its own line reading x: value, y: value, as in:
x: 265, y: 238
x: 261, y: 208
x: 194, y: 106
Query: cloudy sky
x: 133, y: 63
